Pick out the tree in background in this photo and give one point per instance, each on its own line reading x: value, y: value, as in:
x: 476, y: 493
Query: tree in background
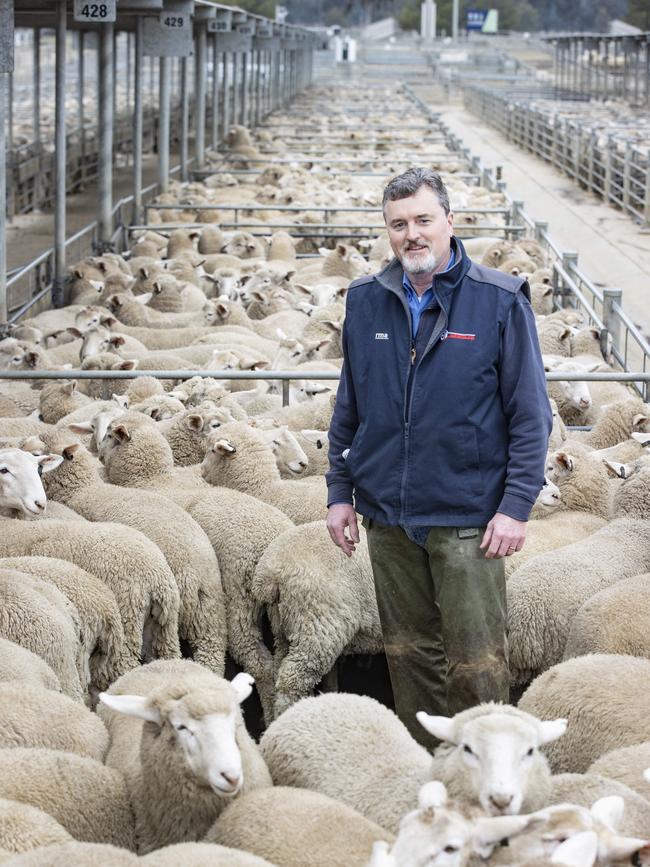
x: 638, y: 13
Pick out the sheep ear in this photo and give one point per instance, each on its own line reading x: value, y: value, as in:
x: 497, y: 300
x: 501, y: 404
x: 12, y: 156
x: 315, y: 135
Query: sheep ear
x: 223, y: 447
x: 71, y: 330
x: 68, y: 451
x: 306, y: 290
x: 565, y: 461
x: 566, y: 333
x: 81, y: 427
x: 48, y: 463
x: 121, y: 400
x: 616, y: 470
x: 440, y: 727
x: 433, y: 794
x: 108, y: 321
x: 69, y: 387
x: 642, y: 438
x: 609, y: 811
x: 242, y: 683
x: 551, y: 730
x: 143, y: 271
x: 340, y: 249
x: 595, y: 331
x: 639, y: 419
x: 121, y: 432
x: 117, y: 340
x: 129, y: 364
x: 143, y: 299
x: 195, y: 422
x: 621, y: 849
x: 137, y: 706
x: 577, y: 851
x: 31, y: 358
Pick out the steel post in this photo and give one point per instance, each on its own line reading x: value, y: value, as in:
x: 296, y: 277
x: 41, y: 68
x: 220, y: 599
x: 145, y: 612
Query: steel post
x: 243, y: 116
x: 106, y: 102
x: 164, y: 108
x: 81, y: 86
x: 138, y: 120
x: 226, y: 92
x: 610, y: 320
x: 3, y: 195
x: 36, y: 117
x: 258, y: 88
x: 201, y: 90
x: 235, y: 87
x: 185, y: 121
x: 9, y: 199
x: 59, y: 157
x: 215, y: 94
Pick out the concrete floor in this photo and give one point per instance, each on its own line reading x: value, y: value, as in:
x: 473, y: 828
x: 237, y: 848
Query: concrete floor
x: 612, y: 250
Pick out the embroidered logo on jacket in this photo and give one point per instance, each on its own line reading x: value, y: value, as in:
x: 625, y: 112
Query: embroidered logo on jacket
x: 381, y: 335
x: 457, y: 335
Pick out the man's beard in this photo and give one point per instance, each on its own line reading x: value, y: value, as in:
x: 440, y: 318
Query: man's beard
x: 419, y: 263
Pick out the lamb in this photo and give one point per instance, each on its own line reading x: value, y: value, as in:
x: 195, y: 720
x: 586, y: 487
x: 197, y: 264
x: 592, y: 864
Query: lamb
x: 239, y: 527
x: 8, y: 407
x: 616, y: 423
x: 332, y: 744
x: 233, y: 313
x: 23, y: 827
x: 613, y: 621
x: 202, y: 855
x: 195, y: 743
x: 298, y: 829
x: 123, y: 559
x: 602, y: 696
x: 582, y: 479
x: 188, y: 434
x: 559, y: 529
x: 31, y: 716
x: 19, y: 664
x: 554, y: 338
x: 239, y: 458
x: 439, y: 832
x: 100, y: 625
x: 317, y: 612
x: 187, y: 550
x: 58, y: 399
x: 572, y: 397
x: 79, y: 854
x: 545, y: 594
x: 40, y: 618
x: 623, y: 766
x: 89, y: 800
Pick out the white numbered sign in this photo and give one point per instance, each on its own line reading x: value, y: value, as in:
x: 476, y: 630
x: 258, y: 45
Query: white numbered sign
x: 104, y: 12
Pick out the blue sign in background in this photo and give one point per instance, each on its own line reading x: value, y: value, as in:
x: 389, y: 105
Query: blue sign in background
x: 476, y: 19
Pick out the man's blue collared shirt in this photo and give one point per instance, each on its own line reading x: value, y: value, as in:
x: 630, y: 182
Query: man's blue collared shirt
x: 416, y: 303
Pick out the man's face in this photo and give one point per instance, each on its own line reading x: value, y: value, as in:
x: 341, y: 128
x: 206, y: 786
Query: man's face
x: 419, y: 231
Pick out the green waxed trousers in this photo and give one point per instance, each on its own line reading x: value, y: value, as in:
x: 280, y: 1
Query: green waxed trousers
x: 443, y: 616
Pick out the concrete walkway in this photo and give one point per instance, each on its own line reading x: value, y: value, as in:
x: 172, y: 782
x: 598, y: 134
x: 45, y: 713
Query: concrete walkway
x: 612, y: 249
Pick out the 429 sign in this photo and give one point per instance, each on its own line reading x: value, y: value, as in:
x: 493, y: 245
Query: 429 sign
x: 104, y: 12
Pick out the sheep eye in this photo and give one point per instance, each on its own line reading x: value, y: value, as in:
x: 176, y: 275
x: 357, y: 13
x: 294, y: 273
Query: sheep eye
x: 531, y: 751
x: 449, y: 849
x: 4, y: 470
x: 181, y: 728
x: 40, y: 469
x: 468, y: 750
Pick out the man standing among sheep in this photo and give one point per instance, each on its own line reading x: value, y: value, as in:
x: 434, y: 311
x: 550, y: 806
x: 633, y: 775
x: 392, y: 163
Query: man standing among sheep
x: 439, y: 438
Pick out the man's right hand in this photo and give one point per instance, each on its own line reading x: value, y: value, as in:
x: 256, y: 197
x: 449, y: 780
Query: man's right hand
x: 339, y: 517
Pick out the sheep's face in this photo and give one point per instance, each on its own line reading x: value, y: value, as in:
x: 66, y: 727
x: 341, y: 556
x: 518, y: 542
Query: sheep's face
x: 21, y: 487
x: 576, y: 394
x: 199, y: 726
x: 549, y: 497
x: 288, y: 451
x: 495, y: 753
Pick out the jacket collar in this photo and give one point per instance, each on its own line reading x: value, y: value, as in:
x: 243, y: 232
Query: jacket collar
x: 392, y: 275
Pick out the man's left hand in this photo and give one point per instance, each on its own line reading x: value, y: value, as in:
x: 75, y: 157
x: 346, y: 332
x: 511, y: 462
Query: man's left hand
x: 503, y: 537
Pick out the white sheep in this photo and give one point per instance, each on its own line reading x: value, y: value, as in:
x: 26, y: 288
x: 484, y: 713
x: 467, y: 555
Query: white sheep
x: 301, y: 829
x: 585, y: 789
x: 100, y: 625
x: 239, y: 527
x: 240, y: 458
x: 88, y: 799
x: 623, y: 765
x: 19, y: 664
x: 40, y: 618
x: 202, y: 855
x: 347, y: 746
x: 23, y: 827
x: 545, y: 593
x: 77, y: 853
x: 603, y: 696
x: 320, y: 603
x: 615, y: 620
x: 177, y: 731
x: 31, y: 716
x: 77, y: 483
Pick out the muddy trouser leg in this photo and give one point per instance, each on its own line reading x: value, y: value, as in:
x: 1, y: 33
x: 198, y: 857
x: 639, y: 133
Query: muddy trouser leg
x: 411, y: 626
x: 471, y: 594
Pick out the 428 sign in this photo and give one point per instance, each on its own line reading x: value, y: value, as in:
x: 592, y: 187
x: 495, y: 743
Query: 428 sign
x: 104, y: 12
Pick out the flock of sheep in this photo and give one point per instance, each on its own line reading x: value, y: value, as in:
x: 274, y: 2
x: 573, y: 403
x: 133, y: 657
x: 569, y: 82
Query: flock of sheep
x: 149, y: 527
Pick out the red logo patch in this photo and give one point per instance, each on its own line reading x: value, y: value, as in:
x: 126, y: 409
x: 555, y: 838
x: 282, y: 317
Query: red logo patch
x: 456, y: 335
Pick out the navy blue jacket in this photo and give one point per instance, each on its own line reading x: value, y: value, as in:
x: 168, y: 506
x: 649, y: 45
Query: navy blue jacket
x: 450, y: 427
